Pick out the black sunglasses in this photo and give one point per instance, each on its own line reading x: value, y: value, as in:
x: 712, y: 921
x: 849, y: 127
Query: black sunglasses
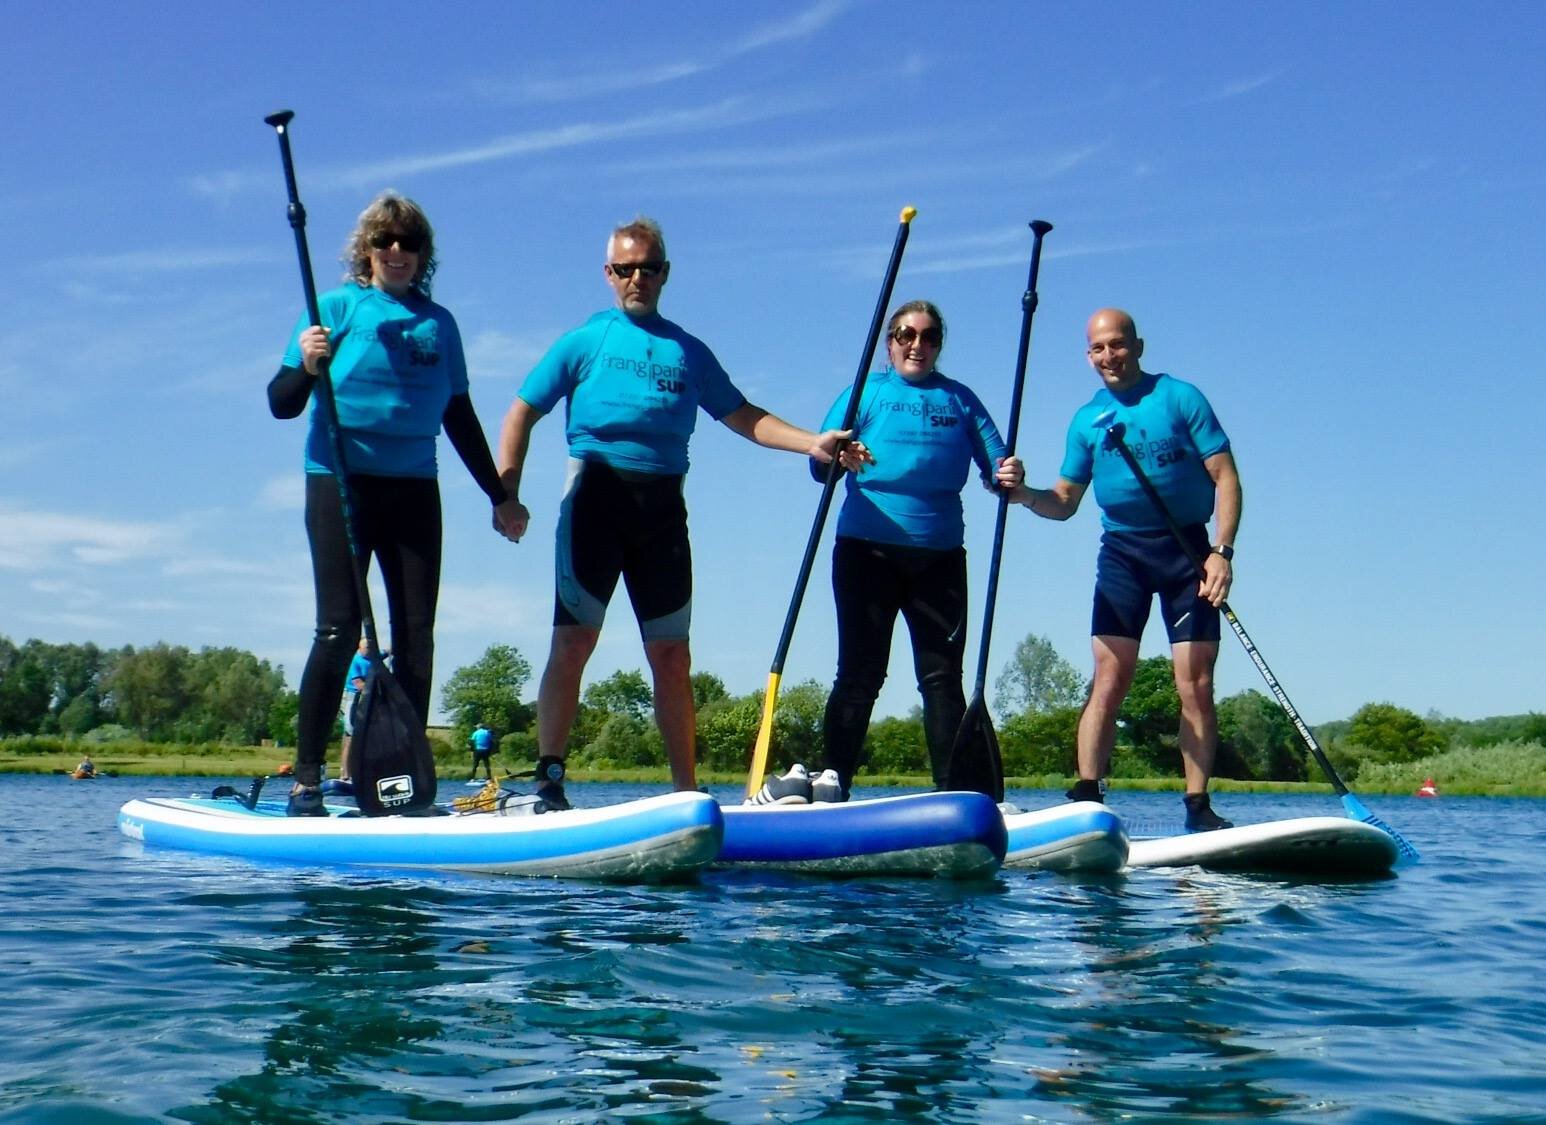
x: 625, y: 270
x: 410, y: 243
x: 905, y: 334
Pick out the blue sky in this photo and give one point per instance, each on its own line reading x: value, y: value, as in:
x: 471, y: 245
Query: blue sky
x: 1326, y: 215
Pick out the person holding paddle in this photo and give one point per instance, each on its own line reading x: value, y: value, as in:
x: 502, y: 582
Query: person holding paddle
x: 899, y: 546
x: 1171, y: 430
x: 633, y: 383
x: 395, y: 363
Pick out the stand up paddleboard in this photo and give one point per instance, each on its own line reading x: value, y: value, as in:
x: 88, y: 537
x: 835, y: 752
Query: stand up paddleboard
x: 944, y: 835
x: 1079, y: 836
x: 1323, y: 846
x: 652, y: 840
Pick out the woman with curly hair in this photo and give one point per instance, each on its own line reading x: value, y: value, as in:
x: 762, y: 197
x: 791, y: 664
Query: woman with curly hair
x: 395, y: 361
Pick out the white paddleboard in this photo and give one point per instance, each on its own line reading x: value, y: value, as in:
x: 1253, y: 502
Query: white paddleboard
x: 1314, y: 845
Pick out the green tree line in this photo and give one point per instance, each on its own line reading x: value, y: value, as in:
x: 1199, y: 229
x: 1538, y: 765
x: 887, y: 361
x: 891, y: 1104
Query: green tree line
x: 161, y: 693
x: 1038, y: 701
x: 171, y: 694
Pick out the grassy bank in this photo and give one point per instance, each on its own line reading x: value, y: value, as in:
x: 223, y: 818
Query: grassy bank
x: 1508, y: 769
x: 240, y: 763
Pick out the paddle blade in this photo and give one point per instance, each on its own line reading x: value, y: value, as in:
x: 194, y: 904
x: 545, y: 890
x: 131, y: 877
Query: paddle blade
x: 394, y: 770
x: 1356, y: 810
x: 975, y: 765
x: 759, y: 763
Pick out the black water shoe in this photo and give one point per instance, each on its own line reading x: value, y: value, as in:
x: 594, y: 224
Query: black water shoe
x: 1200, y: 816
x: 1086, y: 791
x: 305, y: 800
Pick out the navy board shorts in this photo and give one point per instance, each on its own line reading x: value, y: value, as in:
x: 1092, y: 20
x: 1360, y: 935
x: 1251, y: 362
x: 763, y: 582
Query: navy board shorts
x: 616, y: 523
x: 1134, y: 566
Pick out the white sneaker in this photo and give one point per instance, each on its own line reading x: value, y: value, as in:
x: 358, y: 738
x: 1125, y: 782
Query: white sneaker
x: 794, y: 788
x: 827, y: 788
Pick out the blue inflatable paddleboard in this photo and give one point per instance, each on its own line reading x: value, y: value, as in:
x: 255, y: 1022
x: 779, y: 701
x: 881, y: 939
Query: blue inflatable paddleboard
x: 655, y: 839
x: 949, y: 835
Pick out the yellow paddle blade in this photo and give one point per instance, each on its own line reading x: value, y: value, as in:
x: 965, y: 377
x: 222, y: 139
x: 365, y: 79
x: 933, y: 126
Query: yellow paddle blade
x: 759, y: 764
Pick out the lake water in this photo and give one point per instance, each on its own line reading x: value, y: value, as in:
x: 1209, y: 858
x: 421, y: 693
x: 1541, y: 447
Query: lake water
x: 149, y: 985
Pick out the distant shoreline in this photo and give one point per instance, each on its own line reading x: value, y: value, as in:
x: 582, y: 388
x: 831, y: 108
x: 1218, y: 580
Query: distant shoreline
x: 174, y: 764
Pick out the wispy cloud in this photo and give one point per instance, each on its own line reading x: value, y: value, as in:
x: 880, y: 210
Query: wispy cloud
x: 496, y: 356
x: 35, y: 540
x: 1239, y: 87
x: 724, y: 114
x: 160, y: 261
x: 283, y: 494
x: 621, y: 76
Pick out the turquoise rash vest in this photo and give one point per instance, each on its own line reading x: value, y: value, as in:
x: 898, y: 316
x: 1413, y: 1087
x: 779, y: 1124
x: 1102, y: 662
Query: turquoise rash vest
x: 396, y: 364
x: 1171, y: 431
x: 925, y: 437
x: 633, y: 389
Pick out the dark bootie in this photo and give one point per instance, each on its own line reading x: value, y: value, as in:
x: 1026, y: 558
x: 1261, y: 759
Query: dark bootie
x: 550, y: 785
x: 1200, y: 816
x: 1085, y: 791
x: 305, y: 800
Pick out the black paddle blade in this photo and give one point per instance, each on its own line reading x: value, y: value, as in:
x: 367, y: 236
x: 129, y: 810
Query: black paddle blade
x: 394, y: 770
x: 975, y: 765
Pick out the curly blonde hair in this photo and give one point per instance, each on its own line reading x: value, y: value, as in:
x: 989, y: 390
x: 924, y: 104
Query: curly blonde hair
x: 390, y: 211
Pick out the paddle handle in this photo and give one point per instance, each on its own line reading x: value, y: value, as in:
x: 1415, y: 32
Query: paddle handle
x: 1028, y: 302
x: 296, y: 213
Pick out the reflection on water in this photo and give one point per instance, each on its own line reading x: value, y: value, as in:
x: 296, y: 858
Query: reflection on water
x: 171, y: 986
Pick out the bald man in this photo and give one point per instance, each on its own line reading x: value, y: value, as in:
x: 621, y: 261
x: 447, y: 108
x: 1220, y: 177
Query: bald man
x: 1172, y: 432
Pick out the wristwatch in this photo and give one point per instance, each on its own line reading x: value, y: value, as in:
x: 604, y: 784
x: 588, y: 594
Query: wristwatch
x: 1225, y: 551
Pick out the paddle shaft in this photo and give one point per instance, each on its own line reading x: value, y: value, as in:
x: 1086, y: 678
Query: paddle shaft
x: 324, y: 381
x: 759, y: 761
x: 1114, y: 436
x: 1028, y: 303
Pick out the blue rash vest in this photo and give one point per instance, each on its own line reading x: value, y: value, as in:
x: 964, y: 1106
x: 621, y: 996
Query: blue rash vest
x: 633, y: 389
x: 925, y: 437
x: 359, y: 667
x: 396, y: 364
x: 1171, y: 430
x: 482, y: 739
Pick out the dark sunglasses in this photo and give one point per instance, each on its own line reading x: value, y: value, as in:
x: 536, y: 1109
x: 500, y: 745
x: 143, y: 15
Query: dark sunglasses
x: 905, y: 335
x: 625, y: 270
x: 410, y: 243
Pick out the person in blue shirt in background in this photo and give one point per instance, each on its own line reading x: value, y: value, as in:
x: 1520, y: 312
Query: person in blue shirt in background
x: 396, y: 364
x: 482, y: 742
x: 1173, y: 434
x: 633, y: 383
x: 899, y: 549
x: 354, y: 683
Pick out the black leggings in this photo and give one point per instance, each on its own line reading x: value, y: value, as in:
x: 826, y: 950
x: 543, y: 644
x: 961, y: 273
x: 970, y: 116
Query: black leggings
x: 872, y: 583
x: 396, y: 519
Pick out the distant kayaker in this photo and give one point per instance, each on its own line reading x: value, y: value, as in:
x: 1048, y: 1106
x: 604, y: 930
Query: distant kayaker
x: 87, y: 767
x: 1185, y: 452
x: 399, y: 374
x: 899, y: 547
x: 633, y: 383
x: 1429, y: 788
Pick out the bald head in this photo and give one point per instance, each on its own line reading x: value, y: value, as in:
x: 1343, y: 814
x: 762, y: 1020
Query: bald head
x: 1114, y: 348
x: 1111, y: 319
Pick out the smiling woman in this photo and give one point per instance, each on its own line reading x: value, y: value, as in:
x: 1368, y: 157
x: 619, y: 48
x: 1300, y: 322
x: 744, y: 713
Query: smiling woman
x: 394, y: 362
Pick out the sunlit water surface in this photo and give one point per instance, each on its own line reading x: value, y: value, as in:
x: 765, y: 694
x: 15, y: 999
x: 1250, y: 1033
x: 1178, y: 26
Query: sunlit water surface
x: 149, y: 985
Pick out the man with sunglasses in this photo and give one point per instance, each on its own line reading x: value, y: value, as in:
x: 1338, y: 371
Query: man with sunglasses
x: 633, y: 383
x: 1172, y: 431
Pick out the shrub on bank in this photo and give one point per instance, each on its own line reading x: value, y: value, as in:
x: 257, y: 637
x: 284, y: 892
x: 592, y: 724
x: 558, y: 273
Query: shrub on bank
x: 1473, y: 769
